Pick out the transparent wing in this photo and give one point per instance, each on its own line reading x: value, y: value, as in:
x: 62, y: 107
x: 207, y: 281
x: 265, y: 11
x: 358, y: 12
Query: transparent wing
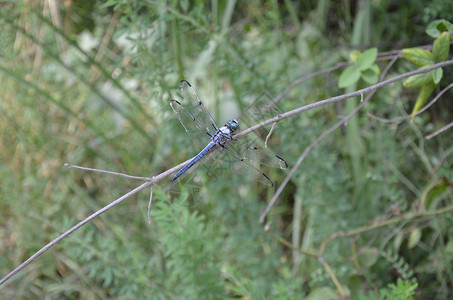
x: 243, y: 158
x: 232, y: 162
x: 192, y: 114
x: 252, y: 154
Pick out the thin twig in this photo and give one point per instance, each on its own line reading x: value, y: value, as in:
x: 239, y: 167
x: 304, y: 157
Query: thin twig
x: 439, y: 131
x: 91, y: 217
x: 399, y: 119
x: 342, y: 234
x: 74, y: 228
x: 269, y: 134
x: 108, y: 172
x: 164, y: 174
x: 149, y: 204
x: 343, y: 97
x: 317, y: 141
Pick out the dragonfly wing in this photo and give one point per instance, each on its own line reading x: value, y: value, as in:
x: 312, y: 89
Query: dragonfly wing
x: 190, y: 124
x: 253, y: 154
x: 242, y: 166
x: 192, y: 113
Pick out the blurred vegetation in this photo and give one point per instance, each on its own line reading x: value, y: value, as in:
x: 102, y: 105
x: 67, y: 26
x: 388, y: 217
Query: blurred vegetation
x: 89, y: 83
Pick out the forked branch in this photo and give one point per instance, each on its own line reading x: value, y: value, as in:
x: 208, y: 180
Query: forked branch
x: 151, y: 181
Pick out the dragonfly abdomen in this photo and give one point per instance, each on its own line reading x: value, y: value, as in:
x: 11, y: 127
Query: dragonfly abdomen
x: 194, y: 160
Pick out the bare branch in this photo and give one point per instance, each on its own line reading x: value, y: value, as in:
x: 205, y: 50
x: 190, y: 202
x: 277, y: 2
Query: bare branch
x: 397, y: 120
x: 269, y: 134
x: 149, y: 204
x: 343, y: 97
x: 319, y: 139
x: 108, y: 172
x: 155, y: 179
x: 439, y: 131
x: 150, y: 182
x: 74, y: 228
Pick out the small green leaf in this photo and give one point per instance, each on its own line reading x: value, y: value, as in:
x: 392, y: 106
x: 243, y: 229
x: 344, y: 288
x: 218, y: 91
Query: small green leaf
x: 437, y: 75
x: 418, y: 80
x: 433, y: 190
x: 376, y: 69
x: 441, y: 47
x: 367, y: 58
x: 368, y: 257
x: 370, y: 76
x: 414, y: 238
x: 418, y: 57
x: 425, y: 92
x: 436, y: 28
x: 349, y: 76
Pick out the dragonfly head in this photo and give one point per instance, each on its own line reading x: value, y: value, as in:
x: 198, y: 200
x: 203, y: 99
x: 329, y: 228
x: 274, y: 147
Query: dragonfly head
x: 232, y: 125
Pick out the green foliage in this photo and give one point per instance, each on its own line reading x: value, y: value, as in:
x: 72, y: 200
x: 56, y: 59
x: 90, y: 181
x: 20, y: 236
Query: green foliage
x: 441, y: 30
x: 364, y: 67
x: 403, y: 290
x: 92, y: 88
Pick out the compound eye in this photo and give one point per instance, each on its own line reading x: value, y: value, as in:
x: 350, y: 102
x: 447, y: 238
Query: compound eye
x: 233, y: 124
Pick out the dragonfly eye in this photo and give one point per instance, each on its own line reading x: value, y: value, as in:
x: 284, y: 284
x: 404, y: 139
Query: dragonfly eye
x: 233, y: 124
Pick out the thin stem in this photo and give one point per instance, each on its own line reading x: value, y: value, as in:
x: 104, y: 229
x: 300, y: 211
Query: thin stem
x: 343, y: 97
x: 164, y: 174
x: 74, y: 228
x: 108, y: 172
x: 409, y: 116
x: 439, y: 131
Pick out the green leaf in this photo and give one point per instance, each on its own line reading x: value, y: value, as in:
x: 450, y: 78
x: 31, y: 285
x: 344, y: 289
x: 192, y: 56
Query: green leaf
x: 368, y: 257
x: 436, y: 28
x: 425, y: 92
x: 418, y: 57
x: 414, y: 238
x: 321, y: 294
x: 441, y: 47
x: 355, y: 283
x: 370, y: 76
x: 437, y: 75
x: 376, y: 69
x: 366, y: 59
x: 418, y: 80
x: 349, y: 76
x: 435, y: 189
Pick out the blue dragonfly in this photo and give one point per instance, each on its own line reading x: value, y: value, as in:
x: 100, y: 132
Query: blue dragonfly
x: 199, y: 124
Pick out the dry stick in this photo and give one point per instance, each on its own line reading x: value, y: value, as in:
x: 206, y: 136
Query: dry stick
x: 342, y: 234
x: 109, y: 172
x: 149, y: 204
x: 305, y: 78
x: 343, y: 97
x: 439, y: 131
x: 366, y: 228
x: 396, y: 120
x: 304, y: 154
x: 247, y: 131
x: 319, y: 139
x: 311, y: 254
x: 91, y: 217
x: 74, y: 228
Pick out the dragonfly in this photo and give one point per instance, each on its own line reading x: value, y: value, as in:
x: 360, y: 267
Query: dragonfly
x: 199, y: 124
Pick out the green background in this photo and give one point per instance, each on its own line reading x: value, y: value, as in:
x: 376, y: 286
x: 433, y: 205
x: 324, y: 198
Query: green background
x: 89, y: 83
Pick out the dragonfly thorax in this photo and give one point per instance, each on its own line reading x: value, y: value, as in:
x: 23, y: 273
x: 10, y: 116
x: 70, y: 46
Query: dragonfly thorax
x: 223, y: 135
